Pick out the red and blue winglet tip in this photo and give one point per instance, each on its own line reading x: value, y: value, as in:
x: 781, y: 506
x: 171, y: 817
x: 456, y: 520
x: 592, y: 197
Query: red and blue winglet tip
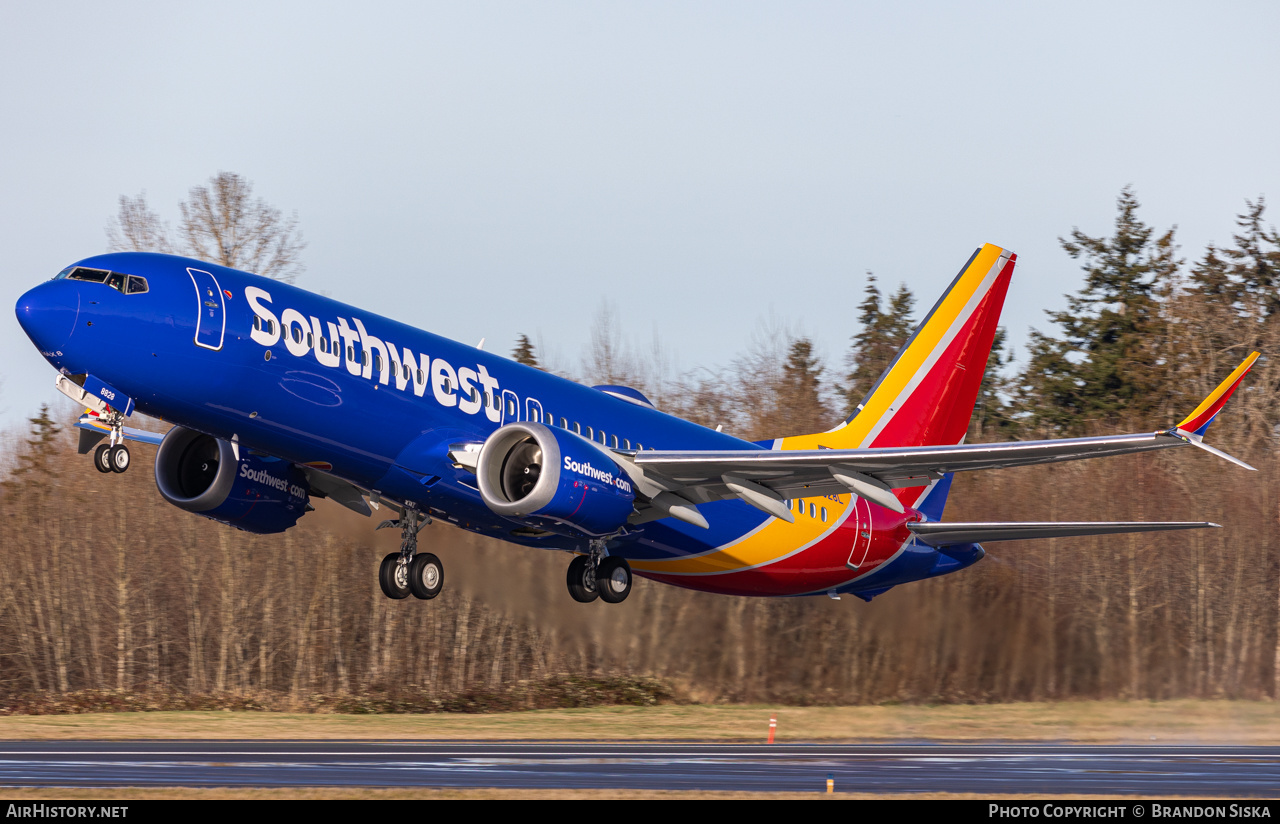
x: 1198, y: 421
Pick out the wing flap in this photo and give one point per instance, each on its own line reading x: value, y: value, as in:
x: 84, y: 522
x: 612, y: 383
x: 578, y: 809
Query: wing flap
x: 943, y: 534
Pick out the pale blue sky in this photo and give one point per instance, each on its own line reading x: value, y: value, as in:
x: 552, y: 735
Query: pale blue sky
x: 485, y: 169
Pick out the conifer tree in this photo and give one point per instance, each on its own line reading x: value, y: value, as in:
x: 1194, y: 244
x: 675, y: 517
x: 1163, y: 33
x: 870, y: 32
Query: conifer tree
x: 36, y: 472
x: 874, y: 348
x: 800, y: 392
x: 1254, y: 263
x: 1107, y: 360
x: 525, y: 353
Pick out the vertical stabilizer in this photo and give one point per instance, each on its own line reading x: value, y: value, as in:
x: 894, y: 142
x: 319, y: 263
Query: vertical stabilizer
x: 927, y: 394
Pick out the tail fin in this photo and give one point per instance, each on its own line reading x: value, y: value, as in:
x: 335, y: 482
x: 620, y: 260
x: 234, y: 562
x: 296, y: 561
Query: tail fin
x: 927, y: 394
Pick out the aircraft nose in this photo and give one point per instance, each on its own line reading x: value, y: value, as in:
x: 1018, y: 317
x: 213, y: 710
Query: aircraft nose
x: 48, y: 315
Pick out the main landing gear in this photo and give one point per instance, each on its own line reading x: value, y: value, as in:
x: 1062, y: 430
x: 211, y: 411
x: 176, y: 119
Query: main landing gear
x: 596, y: 575
x: 112, y: 456
x: 407, y: 572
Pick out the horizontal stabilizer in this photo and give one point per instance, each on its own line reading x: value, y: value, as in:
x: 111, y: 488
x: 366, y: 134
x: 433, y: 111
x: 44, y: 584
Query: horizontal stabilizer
x: 944, y: 534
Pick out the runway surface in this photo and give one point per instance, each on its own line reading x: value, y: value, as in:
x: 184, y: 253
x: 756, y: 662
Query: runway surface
x: 884, y: 768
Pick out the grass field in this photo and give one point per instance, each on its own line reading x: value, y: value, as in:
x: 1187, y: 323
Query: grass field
x: 1187, y: 722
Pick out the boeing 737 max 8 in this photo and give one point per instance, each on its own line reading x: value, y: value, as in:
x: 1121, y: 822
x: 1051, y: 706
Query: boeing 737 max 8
x: 278, y: 396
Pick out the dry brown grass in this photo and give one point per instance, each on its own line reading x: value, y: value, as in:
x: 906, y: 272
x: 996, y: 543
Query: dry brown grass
x: 1188, y: 722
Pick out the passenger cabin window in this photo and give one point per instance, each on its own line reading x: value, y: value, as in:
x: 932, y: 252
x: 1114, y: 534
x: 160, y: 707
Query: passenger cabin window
x: 564, y: 423
x: 297, y: 334
x: 577, y: 428
x: 421, y: 377
x: 377, y: 362
x: 615, y: 441
x: 627, y: 441
x: 824, y: 514
x: 511, y: 406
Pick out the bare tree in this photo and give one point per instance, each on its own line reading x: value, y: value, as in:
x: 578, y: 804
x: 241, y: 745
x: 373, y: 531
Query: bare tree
x: 137, y: 229
x: 610, y: 360
x: 222, y: 223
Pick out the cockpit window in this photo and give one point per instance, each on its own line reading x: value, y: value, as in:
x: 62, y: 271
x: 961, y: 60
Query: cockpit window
x: 91, y: 275
x: 128, y: 284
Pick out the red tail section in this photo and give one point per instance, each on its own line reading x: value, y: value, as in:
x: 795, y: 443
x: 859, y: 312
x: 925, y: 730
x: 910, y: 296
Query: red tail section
x: 927, y: 394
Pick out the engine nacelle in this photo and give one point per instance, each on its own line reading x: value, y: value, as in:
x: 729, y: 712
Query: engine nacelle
x: 553, y: 479
x: 200, y: 474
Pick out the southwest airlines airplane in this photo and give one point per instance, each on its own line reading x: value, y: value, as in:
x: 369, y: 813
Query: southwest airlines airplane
x: 278, y: 396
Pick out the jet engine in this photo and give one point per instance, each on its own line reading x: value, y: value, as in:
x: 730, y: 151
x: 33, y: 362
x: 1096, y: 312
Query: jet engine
x: 201, y: 474
x: 554, y: 480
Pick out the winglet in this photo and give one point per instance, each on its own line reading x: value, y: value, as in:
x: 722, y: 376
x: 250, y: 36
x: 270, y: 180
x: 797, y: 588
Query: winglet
x: 1198, y: 421
x: 1192, y: 428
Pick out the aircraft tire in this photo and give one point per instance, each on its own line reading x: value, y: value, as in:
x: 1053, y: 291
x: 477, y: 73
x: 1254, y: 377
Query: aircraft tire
x: 394, y: 585
x: 100, y: 460
x: 118, y: 456
x: 582, y: 587
x: 613, y: 580
x: 426, y: 576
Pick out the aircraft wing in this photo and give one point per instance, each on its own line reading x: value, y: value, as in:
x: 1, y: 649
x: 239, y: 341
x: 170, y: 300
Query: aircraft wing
x: 703, y: 476
x: 764, y: 478
x: 943, y: 534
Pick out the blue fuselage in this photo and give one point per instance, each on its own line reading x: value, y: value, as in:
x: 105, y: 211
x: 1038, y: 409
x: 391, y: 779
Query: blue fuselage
x: 314, y: 381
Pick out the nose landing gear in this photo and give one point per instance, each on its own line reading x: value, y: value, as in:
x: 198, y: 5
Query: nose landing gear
x: 112, y: 456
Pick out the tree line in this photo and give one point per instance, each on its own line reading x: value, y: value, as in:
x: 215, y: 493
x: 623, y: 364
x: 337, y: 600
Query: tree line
x: 105, y: 587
